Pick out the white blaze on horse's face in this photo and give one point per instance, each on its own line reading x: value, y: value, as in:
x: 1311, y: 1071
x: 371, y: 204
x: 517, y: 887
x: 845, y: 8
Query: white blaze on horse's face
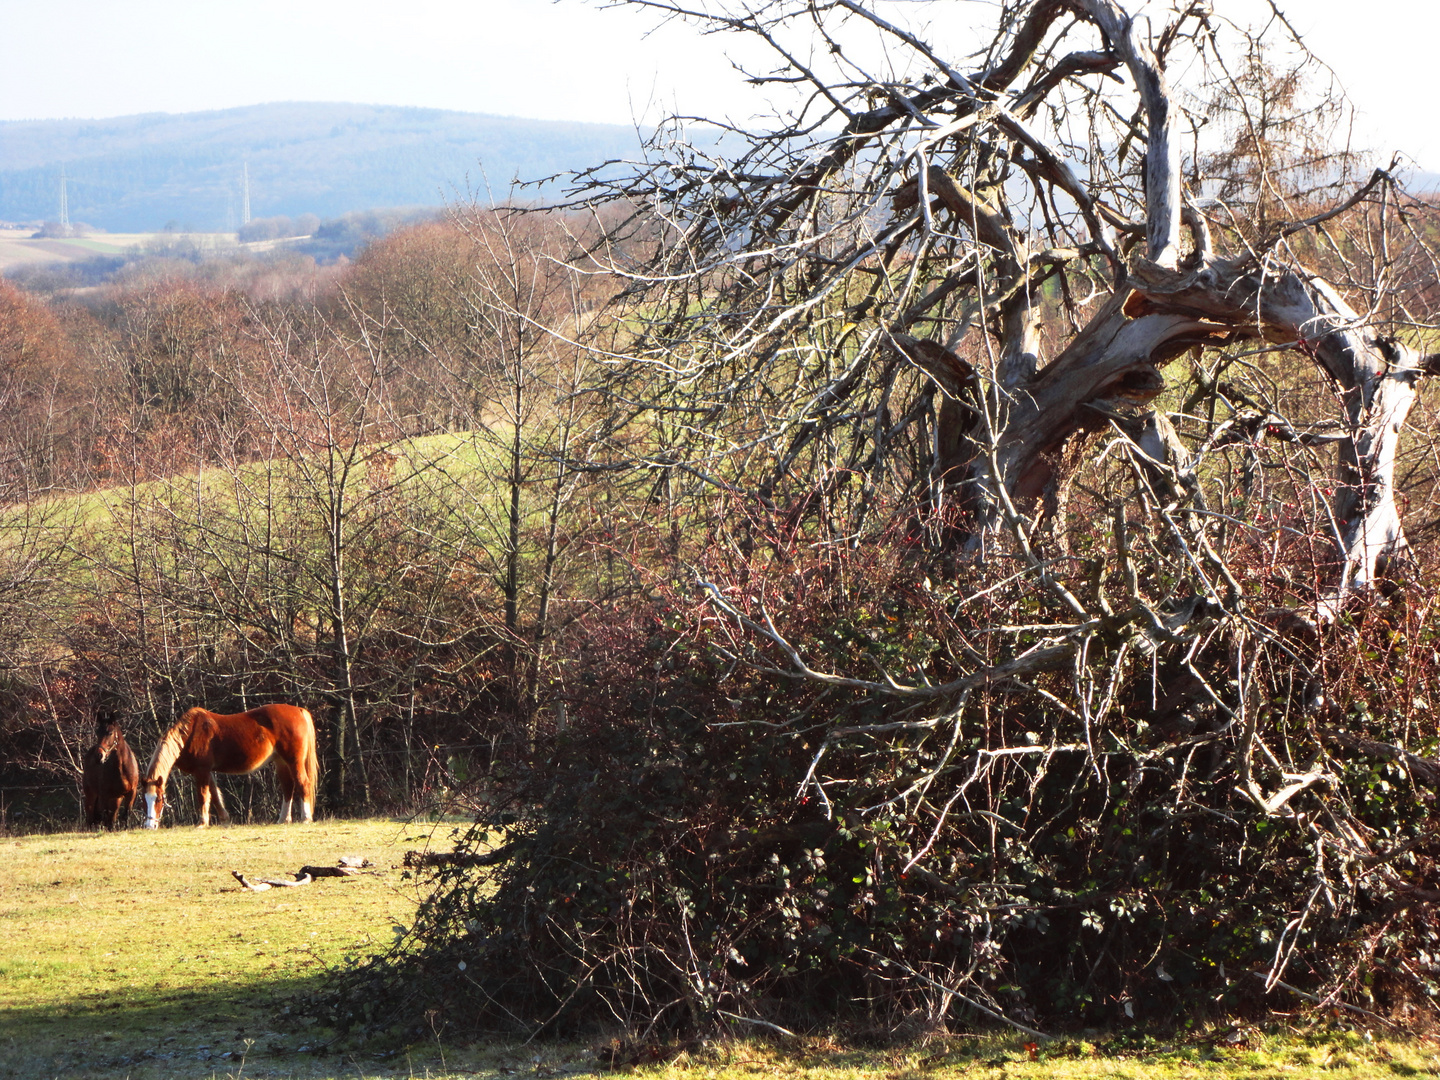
x: 154, y: 807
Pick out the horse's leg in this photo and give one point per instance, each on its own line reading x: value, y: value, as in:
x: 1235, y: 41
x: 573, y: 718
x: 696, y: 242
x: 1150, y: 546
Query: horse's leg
x: 298, y: 792
x: 285, y: 781
x: 221, y: 814
x: 203, y: 787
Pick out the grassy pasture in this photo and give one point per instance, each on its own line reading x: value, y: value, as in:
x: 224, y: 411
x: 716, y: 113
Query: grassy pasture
x: 137, y: 955
x: 459, y: 455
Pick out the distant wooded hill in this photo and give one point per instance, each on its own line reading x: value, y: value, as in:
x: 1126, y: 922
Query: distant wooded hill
x: 139, y: 173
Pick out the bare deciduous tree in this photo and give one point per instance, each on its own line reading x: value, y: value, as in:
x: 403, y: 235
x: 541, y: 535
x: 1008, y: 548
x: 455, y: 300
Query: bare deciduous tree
x: 1114, y: 319
x: 994, y: 259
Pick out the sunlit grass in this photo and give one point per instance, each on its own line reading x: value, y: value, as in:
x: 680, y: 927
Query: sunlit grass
x: 118, y: 948
x: 222, y: 489
x: 1331, y: 1054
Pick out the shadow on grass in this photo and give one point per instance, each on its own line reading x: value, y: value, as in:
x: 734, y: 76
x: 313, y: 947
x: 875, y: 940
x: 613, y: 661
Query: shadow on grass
x: 186, y: 1032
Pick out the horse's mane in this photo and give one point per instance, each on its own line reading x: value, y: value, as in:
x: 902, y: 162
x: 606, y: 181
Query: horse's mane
x: 169, y: 747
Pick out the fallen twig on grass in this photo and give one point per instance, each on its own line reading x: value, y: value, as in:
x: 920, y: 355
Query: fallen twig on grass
x: 261, y: 884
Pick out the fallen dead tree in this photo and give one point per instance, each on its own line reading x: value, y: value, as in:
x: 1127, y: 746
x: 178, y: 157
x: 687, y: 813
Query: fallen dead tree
x: 346, y: 866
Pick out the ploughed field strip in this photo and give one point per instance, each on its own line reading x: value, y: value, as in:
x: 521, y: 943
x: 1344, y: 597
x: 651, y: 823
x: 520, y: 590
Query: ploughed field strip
x: 135, y: 951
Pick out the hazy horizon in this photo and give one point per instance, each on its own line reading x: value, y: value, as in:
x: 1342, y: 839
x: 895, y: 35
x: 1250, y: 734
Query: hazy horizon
x: 192, y: 170
x: 567, y: 60
x: 292, y: 101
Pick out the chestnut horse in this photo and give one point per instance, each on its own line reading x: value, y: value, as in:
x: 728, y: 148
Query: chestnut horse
x: 204, y: 743
x: 109, y: 775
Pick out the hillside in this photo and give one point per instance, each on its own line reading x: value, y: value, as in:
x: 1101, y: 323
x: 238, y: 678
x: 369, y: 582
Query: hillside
x: 142, y: 173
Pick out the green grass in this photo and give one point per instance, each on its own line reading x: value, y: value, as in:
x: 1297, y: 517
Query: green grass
x: 137, y: 955
x: 126, y: 953
x: 460, y: 455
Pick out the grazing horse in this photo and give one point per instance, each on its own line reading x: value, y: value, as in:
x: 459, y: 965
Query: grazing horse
x: 109, y: 775
x: 204, y: 743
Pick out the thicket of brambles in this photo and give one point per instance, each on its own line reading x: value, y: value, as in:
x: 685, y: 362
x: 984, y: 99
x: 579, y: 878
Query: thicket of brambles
x: 1016, y: 454
x: 973, y: 567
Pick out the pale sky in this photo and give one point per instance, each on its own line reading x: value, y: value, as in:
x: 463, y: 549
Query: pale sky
x: 570, y: 59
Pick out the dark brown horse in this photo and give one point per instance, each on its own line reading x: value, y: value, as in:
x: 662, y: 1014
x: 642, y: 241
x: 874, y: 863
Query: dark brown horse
x: 109, y: 775
x: 204, y: 743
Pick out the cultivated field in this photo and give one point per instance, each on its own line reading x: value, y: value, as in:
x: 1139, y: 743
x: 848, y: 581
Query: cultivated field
x: 18, y: 249
x: 137, y: 955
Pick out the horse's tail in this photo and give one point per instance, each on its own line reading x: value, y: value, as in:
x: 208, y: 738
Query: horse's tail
x: 312, y: 760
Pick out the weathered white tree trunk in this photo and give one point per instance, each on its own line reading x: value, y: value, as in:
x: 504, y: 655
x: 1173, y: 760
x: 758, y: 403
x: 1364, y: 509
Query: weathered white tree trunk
x: 1117, y: 360
x: 1160, y: 312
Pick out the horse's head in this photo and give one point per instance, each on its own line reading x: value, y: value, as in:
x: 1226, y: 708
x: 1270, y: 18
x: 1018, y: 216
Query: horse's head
x: 153, y: 791
x: 107, y: 734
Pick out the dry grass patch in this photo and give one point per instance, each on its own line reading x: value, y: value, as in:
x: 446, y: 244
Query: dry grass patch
x: 1279, y: 1054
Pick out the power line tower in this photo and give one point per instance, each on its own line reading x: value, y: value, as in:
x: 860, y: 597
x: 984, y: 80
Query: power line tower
x: 64, y: 202
x: 245, y: 194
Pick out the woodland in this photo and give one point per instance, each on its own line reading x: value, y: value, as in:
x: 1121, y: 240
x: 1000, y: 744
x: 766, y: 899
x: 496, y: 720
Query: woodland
x: 963, y: 554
